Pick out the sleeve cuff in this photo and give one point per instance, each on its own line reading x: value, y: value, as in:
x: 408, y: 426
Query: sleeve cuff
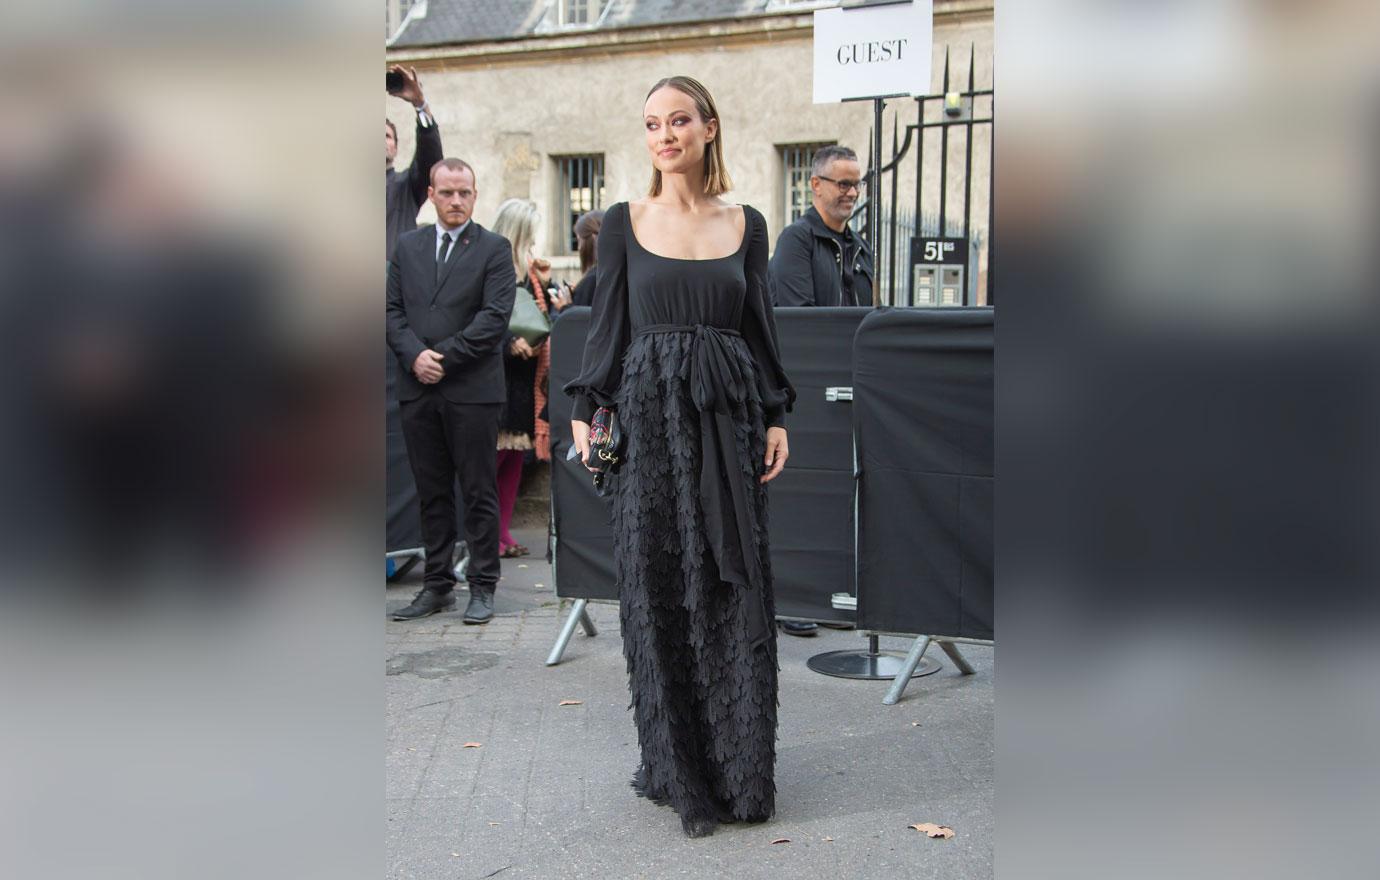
x: 583, y: 410
x: 408, y: 354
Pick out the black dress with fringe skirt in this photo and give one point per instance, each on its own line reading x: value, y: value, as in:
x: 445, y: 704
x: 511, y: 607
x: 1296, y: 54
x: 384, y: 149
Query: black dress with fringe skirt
x: 685, y: 352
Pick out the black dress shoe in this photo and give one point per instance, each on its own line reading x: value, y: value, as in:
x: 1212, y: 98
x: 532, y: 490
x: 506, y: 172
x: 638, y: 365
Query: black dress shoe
x: 481, y: 607
x: 798, y: 627
x: 426, y: 603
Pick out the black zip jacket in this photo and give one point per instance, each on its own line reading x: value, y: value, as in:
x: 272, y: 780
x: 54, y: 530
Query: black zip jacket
x: 807, y: 267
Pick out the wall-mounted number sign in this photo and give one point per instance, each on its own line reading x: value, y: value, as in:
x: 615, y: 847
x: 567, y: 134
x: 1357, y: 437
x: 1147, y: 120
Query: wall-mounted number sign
x: 942, y: 251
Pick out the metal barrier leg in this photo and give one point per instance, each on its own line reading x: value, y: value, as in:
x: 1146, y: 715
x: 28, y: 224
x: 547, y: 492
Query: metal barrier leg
x: 952, y: 650
x: 587, y: 622
x: 460, y: 560
x: 577, y: 615
x: 408, y: 558
x: 917, y: 652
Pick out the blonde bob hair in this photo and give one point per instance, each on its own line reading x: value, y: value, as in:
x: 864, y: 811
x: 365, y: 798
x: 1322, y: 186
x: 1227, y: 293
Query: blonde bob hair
x: 716, y: 179
x: 517, y: 222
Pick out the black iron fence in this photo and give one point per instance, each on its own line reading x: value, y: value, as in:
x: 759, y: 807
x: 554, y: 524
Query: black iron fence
x: 935, y: 246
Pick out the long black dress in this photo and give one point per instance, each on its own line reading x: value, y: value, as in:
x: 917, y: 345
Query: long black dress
x: 685, y: 352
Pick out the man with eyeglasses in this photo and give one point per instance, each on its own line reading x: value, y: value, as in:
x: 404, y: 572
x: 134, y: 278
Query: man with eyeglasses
x: 819, y: 260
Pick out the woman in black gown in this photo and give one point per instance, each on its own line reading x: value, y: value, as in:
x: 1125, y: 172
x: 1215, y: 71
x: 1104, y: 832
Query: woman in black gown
x: 682, y: 345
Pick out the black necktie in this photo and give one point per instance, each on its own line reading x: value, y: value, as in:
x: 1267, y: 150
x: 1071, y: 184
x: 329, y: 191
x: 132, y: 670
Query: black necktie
x: 445, y: 253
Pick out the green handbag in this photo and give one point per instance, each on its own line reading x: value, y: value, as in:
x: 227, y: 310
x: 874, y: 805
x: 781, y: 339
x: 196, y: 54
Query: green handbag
x: 528, y: 320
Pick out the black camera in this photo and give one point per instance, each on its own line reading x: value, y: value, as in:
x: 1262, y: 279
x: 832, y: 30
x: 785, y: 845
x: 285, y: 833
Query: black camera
x: 394, y: 81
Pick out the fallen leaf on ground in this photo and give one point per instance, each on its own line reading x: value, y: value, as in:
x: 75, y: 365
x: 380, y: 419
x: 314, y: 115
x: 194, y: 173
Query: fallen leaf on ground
x: 457, y: 855
x: 933, y: 830
x: 493, y: 823
x: 471, y: 745
x: 410, y: 749
x: 571, y: 702
x: 828, y: 838
x: 539, y: 585
x: 915, y: 724
x: 782, y: 840
x: 522, y: 565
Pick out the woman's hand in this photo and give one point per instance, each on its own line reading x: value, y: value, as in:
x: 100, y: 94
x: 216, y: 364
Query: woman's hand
x: 777, y: 453
x: 520, y: 348
x: 580, y: 431
x: 562, y: 298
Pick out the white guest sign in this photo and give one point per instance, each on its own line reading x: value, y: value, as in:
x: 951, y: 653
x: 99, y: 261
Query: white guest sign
x: 872, y: 51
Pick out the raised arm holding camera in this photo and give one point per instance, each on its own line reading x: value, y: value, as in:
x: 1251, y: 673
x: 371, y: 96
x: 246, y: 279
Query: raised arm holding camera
x: 406, y: 190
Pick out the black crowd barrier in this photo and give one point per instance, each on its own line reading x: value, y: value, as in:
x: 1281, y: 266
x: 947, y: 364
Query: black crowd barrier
x: 921, y: 384
x: 582, y: 567
x: 404, y: 526
x: 923, y: 416
x: 811, y: 512
x: 404, y: 519
x: 811, y: 503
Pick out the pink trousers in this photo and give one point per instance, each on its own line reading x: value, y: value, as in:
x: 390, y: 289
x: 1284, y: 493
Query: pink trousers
x: 509, y: 476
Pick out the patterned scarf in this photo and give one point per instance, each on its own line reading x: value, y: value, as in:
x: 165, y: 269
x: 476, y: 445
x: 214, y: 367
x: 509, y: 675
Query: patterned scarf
x: 542, y: 435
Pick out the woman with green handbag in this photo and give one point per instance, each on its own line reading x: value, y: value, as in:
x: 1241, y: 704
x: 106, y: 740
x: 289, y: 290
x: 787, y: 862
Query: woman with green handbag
x: 526, y: 363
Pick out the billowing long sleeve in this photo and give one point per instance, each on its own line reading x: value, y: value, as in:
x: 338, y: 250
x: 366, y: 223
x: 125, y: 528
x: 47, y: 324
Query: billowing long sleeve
x: 759, y: 329
x: 601, y: 369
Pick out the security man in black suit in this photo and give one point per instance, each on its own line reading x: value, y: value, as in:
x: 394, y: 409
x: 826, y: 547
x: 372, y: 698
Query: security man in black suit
x: 450, y: 295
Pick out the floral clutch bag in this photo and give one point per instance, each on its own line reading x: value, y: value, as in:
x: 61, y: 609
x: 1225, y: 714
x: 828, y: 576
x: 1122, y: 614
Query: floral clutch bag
x: 607, y: 445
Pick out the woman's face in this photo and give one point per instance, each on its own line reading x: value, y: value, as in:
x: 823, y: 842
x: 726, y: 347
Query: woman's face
x: 676, y: 135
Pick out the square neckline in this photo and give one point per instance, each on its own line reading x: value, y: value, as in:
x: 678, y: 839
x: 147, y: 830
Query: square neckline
x: 632, y: 233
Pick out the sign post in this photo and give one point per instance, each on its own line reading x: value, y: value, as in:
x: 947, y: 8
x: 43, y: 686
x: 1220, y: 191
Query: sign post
x: 873, y: 51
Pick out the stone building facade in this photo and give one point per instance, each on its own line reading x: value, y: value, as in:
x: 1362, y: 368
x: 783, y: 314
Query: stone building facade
x: 538, y: 95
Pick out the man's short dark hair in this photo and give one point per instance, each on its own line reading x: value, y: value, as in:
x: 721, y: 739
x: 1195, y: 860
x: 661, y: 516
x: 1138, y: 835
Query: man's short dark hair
x: 452, y: 165
x: 825, y: 155
x: 388, y: 122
